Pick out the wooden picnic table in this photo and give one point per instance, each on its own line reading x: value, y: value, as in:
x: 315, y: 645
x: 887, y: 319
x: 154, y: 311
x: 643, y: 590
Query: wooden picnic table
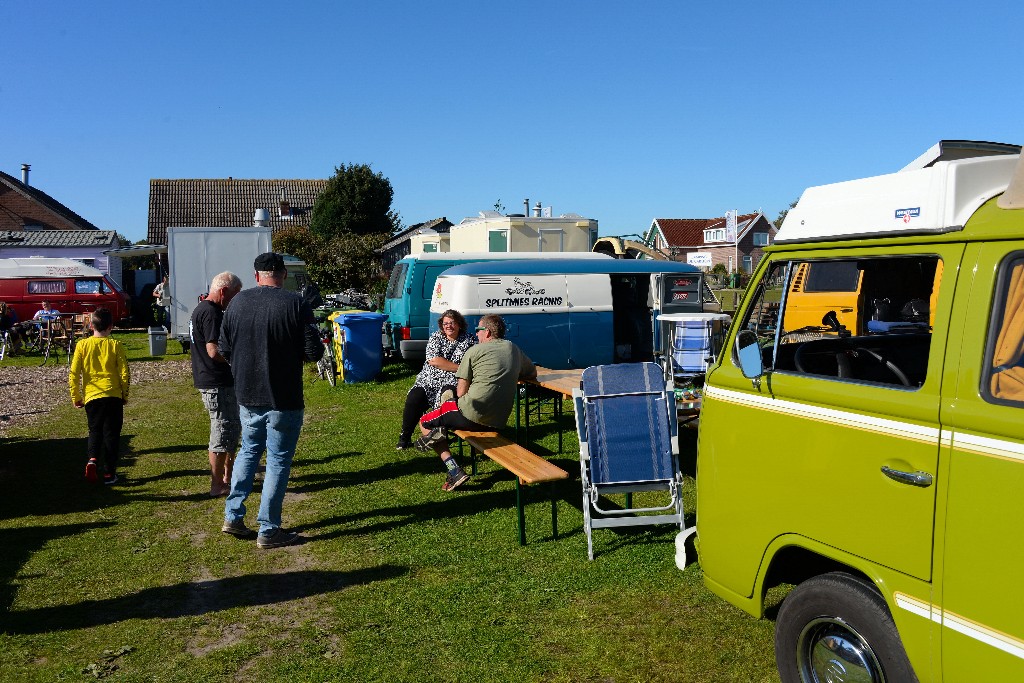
x: 559, y: 382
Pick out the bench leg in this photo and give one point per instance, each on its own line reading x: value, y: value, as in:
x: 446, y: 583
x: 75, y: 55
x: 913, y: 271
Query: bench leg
x: 472, y: 456
x: 520, y: 495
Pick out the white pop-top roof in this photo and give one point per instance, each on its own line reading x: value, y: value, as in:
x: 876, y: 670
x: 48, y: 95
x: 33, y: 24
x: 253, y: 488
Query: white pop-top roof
x: 936, y: 199
x: 45, y: 267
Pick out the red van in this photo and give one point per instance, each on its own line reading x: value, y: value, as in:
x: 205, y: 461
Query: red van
x: 69, y: 286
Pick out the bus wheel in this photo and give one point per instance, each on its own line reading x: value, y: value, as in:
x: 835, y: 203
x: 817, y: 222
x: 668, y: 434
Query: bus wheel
x: 836, y: 627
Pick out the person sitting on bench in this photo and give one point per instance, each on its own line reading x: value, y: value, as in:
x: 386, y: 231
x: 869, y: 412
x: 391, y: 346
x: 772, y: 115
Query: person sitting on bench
x: 486, y: 393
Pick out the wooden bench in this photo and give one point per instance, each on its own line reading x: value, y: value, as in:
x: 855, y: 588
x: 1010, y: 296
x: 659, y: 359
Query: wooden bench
x: 527, y: 467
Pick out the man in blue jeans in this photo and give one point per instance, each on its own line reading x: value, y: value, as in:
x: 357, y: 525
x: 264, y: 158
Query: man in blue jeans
x: 266, y: 334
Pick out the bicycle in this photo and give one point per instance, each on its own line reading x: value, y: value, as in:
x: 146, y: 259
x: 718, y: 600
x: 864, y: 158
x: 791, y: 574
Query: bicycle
x: 327, y: 366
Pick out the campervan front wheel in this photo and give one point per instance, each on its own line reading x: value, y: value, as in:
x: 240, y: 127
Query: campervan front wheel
x: 837, y: 627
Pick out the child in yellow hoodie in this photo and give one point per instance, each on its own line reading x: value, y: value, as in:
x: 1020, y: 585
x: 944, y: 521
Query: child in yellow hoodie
x: 99, y: 380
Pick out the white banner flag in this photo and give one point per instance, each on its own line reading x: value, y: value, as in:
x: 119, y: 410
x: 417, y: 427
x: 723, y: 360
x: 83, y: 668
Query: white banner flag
x: 730, y: 226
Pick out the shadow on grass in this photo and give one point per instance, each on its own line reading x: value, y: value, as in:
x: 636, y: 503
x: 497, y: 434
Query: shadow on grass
x: 19, y: 544
x: 327, y: 458
x: 180, y: 448
x: 195, y: 598
x: 308, y: 483
x: 42, y: 477
x: 452, y: 505
x: 169, y: 474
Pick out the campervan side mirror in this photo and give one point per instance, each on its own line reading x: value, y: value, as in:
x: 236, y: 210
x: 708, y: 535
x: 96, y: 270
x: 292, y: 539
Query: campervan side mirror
x: 748, y: 351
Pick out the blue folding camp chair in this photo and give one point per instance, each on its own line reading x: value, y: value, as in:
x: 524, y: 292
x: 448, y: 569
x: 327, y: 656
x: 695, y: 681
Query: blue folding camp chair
x: 626, y: 421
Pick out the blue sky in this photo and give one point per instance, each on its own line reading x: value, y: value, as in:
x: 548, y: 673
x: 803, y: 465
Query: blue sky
x: 618, y: 111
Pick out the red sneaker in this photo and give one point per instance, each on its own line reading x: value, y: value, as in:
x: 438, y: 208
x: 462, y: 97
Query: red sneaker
x: 90, y: 471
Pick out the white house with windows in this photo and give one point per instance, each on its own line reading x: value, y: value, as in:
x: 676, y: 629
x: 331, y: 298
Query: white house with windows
x: 711, y: 241
x: 491, y: 231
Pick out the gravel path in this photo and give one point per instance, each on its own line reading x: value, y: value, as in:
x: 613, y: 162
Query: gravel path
x: 28, y: 394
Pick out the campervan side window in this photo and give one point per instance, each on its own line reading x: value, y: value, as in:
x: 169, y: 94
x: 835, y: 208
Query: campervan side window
x: 879, y: 332
x: 47, y: 286
x: 397, y: 281
x: 1004, y: 378
x: 87, y: 287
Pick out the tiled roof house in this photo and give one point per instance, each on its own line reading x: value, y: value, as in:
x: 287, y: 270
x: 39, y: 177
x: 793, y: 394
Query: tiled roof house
x: 681, y: 236
x: 229, y: 203
x: 23, y: 207
x: 86, y: 246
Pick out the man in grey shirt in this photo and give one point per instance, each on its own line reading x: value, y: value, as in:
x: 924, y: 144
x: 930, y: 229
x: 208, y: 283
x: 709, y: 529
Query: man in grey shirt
x: 486, y: 393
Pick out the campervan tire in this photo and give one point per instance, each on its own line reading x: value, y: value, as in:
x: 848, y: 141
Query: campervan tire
x: 838, y: 609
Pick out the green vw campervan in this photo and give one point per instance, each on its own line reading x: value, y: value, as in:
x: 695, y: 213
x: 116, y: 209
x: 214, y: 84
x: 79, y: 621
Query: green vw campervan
x: 880, y: 467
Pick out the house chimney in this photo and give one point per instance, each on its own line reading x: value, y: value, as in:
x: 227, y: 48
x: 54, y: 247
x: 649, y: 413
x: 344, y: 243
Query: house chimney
x: 24, y: 172
x: 261, y: 218
x: 526, y: 206
x: 536, y: 210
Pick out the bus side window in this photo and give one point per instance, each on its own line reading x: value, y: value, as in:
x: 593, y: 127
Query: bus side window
x: 1004, y: 377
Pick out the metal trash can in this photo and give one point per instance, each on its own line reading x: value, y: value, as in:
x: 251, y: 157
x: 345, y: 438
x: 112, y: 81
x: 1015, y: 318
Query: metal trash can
x: 157, y: 341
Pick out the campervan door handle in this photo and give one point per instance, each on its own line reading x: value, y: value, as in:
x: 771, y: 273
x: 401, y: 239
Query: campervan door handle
x: 922, y: 479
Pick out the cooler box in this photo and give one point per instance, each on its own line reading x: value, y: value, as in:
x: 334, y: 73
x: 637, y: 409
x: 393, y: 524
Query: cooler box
x: 358, y: 345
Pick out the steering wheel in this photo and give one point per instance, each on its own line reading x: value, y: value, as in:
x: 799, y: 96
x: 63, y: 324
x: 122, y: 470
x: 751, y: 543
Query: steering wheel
x: 801, y: 352
x: 889, y: 365
x: 844, y: 368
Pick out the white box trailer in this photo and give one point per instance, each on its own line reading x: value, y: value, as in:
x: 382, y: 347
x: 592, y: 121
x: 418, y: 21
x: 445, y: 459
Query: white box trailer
x: 195, y: 255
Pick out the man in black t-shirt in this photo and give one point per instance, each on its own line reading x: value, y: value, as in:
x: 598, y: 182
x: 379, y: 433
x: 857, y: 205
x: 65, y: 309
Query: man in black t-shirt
x: 266, y: 336
x: 211, y: 374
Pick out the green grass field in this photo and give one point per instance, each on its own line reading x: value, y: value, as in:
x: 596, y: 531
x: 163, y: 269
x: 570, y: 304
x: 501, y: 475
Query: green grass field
x: 395, y: 581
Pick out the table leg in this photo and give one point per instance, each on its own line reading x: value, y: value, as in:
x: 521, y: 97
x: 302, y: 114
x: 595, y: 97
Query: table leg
x: 554, y: 512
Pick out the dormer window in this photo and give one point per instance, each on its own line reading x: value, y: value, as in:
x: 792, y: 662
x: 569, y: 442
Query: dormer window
x: 284, y: 208
x: 715, y: 235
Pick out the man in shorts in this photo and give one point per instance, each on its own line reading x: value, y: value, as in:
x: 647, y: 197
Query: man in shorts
x: 485, y: 395
x: 211, y: 374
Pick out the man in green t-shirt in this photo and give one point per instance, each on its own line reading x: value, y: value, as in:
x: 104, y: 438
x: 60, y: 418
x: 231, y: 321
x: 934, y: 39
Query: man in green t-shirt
x: 486, y: 394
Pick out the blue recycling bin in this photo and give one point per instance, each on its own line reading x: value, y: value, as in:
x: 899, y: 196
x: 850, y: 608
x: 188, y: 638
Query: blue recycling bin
x: 359, y: 338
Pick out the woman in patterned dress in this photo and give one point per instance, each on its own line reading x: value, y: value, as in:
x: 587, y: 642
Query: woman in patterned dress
x: 445, y: 349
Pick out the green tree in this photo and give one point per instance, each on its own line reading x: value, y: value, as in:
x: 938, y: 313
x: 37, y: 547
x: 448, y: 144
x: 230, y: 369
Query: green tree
x: 356, y: 201
x: 782, y: 214
x: 350, y: 220
x: 336, y: 263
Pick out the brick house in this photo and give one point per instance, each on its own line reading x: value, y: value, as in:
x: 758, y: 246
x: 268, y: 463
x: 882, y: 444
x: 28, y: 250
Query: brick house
x: 228, y: 203
x: 679, y: 237
x: 23, y: 207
